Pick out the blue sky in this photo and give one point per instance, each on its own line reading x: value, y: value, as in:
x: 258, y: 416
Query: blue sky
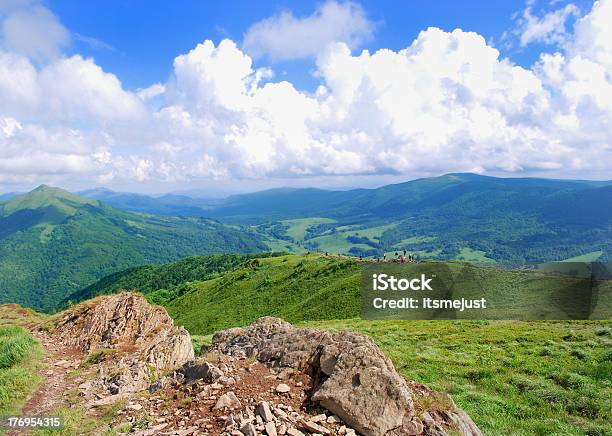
x: 141, y: 38
x: 155, y: 96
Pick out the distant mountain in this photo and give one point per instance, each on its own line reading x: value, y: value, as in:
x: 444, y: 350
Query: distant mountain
x: 53, y: 243
x: 8, y: 195
x: 168, y: 204
x: 464, y: 216
x: 394, y: 200
x: 454, y: 216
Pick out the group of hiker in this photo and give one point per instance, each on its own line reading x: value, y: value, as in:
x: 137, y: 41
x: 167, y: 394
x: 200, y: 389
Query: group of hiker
x: 398, y: 258
x: 401, y: 258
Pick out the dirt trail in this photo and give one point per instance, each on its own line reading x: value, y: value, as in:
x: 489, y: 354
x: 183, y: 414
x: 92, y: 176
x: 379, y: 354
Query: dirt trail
x: 59, y: 361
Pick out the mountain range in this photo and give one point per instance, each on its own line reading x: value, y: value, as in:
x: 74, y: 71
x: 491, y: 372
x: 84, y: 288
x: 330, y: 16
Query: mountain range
x: 454, y: 216
x: 54, y: 243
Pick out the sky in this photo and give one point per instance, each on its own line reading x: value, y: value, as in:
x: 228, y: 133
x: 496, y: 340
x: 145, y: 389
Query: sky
x: 151, y: 96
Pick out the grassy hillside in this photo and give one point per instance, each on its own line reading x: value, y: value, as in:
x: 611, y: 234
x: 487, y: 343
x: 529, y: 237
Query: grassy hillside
x: 165, y: 279
x: 512, y: 377
x: 53, y: 243
x: 292, y: 287
x: 198, y: 291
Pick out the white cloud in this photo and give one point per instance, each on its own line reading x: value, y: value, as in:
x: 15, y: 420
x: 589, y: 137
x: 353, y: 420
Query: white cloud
x: 151, y: 91
x: 550, y: 28
x: 448, y: 102
x: 285, y: 36
x: 593, y: 35
x: 32, y: 30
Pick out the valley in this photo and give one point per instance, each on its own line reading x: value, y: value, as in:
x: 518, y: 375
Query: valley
x: 454, y: 216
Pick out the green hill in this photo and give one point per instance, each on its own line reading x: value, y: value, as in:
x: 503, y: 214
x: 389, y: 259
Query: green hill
x: 211, y: 293
x: 295, y: 288
x: 167, y: 280
x: 53, y: 243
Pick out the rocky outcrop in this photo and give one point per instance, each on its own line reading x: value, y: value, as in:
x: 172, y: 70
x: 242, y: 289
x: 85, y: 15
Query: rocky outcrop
x: 141, y: 339
x: 351, y: 377
x: 302, y: 381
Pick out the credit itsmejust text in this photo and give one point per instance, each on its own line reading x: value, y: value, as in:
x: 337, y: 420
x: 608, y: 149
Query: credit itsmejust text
x: 422, y: 283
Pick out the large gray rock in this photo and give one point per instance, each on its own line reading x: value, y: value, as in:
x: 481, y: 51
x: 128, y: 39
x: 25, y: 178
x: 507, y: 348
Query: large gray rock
x: 351, y: 377
x: 143, y: 339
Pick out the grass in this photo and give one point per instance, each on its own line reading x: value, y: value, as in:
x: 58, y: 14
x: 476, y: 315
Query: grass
x: 372, y: 232
x: 415, y: 240
x: 295, y: 288
x: 282, y: 245
x: 588, y: 257
x: 78, y: 421
x: 512, y: 377
x: 20, y: 356
x: 471, y: 255
x: 317, y: 287
x: 298, y: 227
x: 15, y: 315
x: 337, y: 243
x: 198, y: 340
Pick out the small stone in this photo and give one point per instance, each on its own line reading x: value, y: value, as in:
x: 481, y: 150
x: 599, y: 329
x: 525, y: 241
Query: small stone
x: 228, y: 401
x: 294, y: 432
x: 313, y: 427
x: 271, y: 429
x: 280, y: 413
x: 333, y: 419
x: 263, y: 410
x: 319, y: 418
x: 282, y: 388
x: 248, y: 429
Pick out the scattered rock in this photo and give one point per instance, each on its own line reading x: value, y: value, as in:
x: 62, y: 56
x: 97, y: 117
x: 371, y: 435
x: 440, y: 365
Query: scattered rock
x: 263, y: 410
x: 282, y: 388
x: 248, y: 429
x: 313, y: 427
x: 271, y: 429
x: 228, y: 401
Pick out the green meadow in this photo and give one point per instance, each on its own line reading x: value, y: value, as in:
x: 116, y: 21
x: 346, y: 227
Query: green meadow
x: 512, y: 377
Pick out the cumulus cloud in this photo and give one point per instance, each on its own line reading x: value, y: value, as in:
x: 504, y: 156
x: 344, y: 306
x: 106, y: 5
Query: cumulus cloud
x: 593, y: 36
x: 285, y: 36
x: 31, y: 30
x: 447, y: 102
